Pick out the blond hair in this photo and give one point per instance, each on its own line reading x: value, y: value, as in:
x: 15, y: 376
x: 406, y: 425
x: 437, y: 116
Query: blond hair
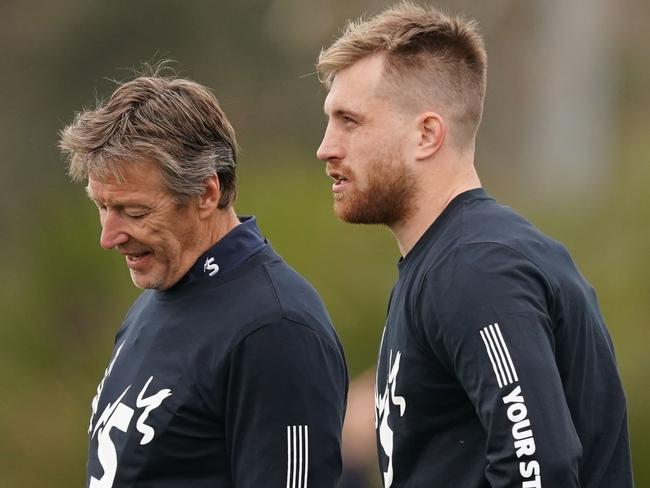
x: 429, y: 57
x: 175, y: 122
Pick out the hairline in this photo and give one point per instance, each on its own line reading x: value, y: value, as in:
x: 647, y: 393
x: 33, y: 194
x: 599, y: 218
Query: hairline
x: 405, y: 90
x: 218, y: 155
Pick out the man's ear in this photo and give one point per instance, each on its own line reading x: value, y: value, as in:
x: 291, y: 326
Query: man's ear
x: 432, y: 133
x: 209, y: 201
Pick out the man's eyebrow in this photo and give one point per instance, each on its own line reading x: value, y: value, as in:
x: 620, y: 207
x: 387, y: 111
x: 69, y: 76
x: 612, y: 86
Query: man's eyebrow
x: 122, y: 204
x: 341, y: 112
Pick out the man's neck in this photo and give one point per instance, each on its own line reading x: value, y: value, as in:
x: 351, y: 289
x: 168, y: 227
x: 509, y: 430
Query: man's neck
x: 225, y: 221
x: 428, y: 206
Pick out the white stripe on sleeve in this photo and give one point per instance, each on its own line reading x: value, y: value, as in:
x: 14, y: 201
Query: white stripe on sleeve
x: 497, y: 350
x: 297, y: 456
x: 494, y: 366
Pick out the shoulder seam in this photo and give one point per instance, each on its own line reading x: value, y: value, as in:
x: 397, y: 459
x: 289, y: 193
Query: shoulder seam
x: 272, y: 285
x: 324, y: 339
x: 510, y: 248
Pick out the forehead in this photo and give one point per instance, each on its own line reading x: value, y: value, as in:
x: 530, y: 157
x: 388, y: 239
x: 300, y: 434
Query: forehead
x: 135, y: 179
x: 356, y: 85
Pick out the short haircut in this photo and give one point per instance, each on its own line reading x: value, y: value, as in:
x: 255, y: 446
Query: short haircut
x: 429, y: 57
x: 174, y: 122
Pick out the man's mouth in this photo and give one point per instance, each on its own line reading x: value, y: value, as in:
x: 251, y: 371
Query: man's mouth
x: 339, y: 180
x: 135, y: 257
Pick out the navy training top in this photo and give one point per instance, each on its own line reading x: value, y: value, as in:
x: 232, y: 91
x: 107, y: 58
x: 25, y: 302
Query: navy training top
x: 233, y: 377
x: 496, y: 368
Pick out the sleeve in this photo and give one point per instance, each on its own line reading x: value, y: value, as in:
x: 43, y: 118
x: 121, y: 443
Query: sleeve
x: 493, y: 330
x: 285, y: 407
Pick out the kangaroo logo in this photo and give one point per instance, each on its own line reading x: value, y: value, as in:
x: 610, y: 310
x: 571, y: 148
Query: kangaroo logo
x: 211, y: 266
x: 382, y: 411
x: 117, y: 415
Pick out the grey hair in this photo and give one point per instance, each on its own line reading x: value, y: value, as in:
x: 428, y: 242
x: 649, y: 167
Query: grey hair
x: 175, y: 122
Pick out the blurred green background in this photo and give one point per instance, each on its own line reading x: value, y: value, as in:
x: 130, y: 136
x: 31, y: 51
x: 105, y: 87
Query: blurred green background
x: 565, y: 141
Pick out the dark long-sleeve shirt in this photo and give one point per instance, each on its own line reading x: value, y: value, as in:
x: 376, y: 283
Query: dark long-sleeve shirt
x: 234, y: 377
x: 496, y: 368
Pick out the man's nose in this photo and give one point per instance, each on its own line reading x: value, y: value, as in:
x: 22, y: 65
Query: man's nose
x: 113, y: 231
x: 330, y: 147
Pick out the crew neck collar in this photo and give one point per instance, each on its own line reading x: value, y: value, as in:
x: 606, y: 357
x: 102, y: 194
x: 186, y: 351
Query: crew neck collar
x: 439, y: 222
x: 232, y: 250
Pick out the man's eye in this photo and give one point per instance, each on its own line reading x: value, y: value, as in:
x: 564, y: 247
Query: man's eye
x: 136, y: 215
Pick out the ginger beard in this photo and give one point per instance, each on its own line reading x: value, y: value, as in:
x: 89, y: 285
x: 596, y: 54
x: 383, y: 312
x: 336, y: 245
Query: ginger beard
x: 385, y: 198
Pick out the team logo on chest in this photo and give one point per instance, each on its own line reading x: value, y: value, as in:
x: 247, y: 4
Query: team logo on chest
x: 118, y: 415
x: 383, y: 404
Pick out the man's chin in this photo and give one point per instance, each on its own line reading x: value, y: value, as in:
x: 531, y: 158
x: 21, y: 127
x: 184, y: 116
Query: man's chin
x: 144, y: 282
x: 345, y: 209
x: 354, y: 214
x: 342, y: 212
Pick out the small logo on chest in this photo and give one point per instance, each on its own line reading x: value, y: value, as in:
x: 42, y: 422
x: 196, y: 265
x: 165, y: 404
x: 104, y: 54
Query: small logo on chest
x: 211, y: 266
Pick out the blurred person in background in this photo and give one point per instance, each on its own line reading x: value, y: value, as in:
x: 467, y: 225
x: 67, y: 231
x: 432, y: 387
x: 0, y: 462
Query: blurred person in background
x: 496, y: 367
x: 226, y: 371
x: 359, y: 450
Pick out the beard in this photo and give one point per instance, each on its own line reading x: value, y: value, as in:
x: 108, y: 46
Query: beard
x: 387, y: 198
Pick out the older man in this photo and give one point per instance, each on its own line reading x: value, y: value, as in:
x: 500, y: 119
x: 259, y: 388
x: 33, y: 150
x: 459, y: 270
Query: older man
x: 496, y: 367
x: 226, y: 371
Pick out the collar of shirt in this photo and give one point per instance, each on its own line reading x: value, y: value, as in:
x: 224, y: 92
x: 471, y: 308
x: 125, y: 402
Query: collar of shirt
x: 232, y: 250
x: 431, y: 233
